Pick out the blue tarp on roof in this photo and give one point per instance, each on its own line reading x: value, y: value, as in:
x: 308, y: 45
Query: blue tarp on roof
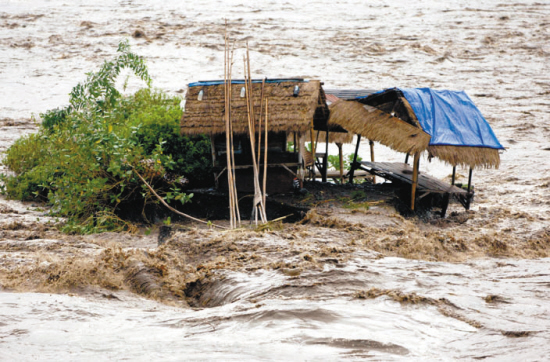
x: 205, y: 83
x: 451, y: 118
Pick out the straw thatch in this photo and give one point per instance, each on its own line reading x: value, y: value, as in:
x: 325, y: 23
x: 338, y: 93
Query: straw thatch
x: 466, y: 156
x: 286, y: 112
x: 379, y: 126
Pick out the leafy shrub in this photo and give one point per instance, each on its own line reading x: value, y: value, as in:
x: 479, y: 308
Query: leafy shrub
x: 82, y: 158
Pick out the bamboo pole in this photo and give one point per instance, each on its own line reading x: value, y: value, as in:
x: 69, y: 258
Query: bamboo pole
x: 257, y: 191
x: 260, y: 124
x: 227, y: 133
x: 415, y: 178
x: 235, y: 194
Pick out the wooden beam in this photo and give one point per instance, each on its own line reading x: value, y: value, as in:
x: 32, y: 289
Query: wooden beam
x: 415, y: 179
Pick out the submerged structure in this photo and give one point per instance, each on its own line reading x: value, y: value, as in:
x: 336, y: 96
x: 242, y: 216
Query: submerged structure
x: 446, y: 124
x: 295, y: 107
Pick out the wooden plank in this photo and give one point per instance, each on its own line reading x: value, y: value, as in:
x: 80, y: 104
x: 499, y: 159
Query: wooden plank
x: 396, y: 171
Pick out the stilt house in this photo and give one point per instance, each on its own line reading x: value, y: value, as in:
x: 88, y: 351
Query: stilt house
x: 445, y: 124
x: 294, y: 107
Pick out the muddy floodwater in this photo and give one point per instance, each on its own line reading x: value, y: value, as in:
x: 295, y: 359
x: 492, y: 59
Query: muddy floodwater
x: 344, y: 284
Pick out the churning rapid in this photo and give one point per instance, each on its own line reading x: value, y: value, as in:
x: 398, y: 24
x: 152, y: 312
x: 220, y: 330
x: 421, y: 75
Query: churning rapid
x: 342, y: 284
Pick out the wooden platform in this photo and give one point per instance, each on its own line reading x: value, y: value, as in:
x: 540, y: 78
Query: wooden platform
x: 401, y: 172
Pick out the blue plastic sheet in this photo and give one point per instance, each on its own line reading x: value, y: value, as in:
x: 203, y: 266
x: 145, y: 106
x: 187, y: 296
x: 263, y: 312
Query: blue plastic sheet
x: 241, y: 81
x: 451, y: 118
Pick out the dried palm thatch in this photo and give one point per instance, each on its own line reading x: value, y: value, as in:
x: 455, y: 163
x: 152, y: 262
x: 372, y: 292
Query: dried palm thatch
x: 466, y: 156
x: 378, y: 126
x: 287, y: 112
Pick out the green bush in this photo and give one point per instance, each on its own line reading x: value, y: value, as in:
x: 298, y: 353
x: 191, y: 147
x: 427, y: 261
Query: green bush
x: 82, y: 158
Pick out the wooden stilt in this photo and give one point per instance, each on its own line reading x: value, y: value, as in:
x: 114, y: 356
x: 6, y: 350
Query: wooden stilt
x: 325, y: 159
x: 407, y: 158
x: 454, y: 176
x: 414, y: 179
x: 446, y: 199
x: 469, y: 196
x: 354, y: 159
x: 371, y: 144
x: 341, y: 155
x: 470, y: 180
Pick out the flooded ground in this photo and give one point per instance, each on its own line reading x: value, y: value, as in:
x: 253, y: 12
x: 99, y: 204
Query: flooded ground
x: 347, y: 283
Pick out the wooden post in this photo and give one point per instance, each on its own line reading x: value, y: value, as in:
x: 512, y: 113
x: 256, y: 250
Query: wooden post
x: 301, y: 154
x: 407, y: 158
x: 469, y: 195
x: 325, y: 160
x: 470, y: 180
x: 415, y: 178
x: 354, y: 159
x: 454, y: 176
x: 371, y: 144
x: 341, y: 155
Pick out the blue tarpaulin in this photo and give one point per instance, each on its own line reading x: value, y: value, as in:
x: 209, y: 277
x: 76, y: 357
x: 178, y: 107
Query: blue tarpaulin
x: 204, y: 83
x: 450, y: 118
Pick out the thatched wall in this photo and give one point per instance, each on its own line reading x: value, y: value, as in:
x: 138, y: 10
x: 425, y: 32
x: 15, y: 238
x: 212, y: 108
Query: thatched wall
x: 378, y: 126
x: 474, y: 157
x: 286, y: 112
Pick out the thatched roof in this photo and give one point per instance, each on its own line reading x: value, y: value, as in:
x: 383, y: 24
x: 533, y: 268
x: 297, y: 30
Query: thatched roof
x: 286, y: 112
x: 387, y: 117
x: 466, y: 156
x: 378, y: 126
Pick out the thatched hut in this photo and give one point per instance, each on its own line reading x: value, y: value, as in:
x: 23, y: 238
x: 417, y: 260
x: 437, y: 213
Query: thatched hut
x: 295, y: 107
x: 446, y: 124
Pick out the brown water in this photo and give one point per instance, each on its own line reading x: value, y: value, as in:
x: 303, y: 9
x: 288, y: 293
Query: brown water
x: 344, y: 285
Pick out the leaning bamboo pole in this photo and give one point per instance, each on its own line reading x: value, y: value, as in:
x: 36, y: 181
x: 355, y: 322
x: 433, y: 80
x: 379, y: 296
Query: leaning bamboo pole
x: 234, y: 214
x: 257, y: 201
x: 260, y: 124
